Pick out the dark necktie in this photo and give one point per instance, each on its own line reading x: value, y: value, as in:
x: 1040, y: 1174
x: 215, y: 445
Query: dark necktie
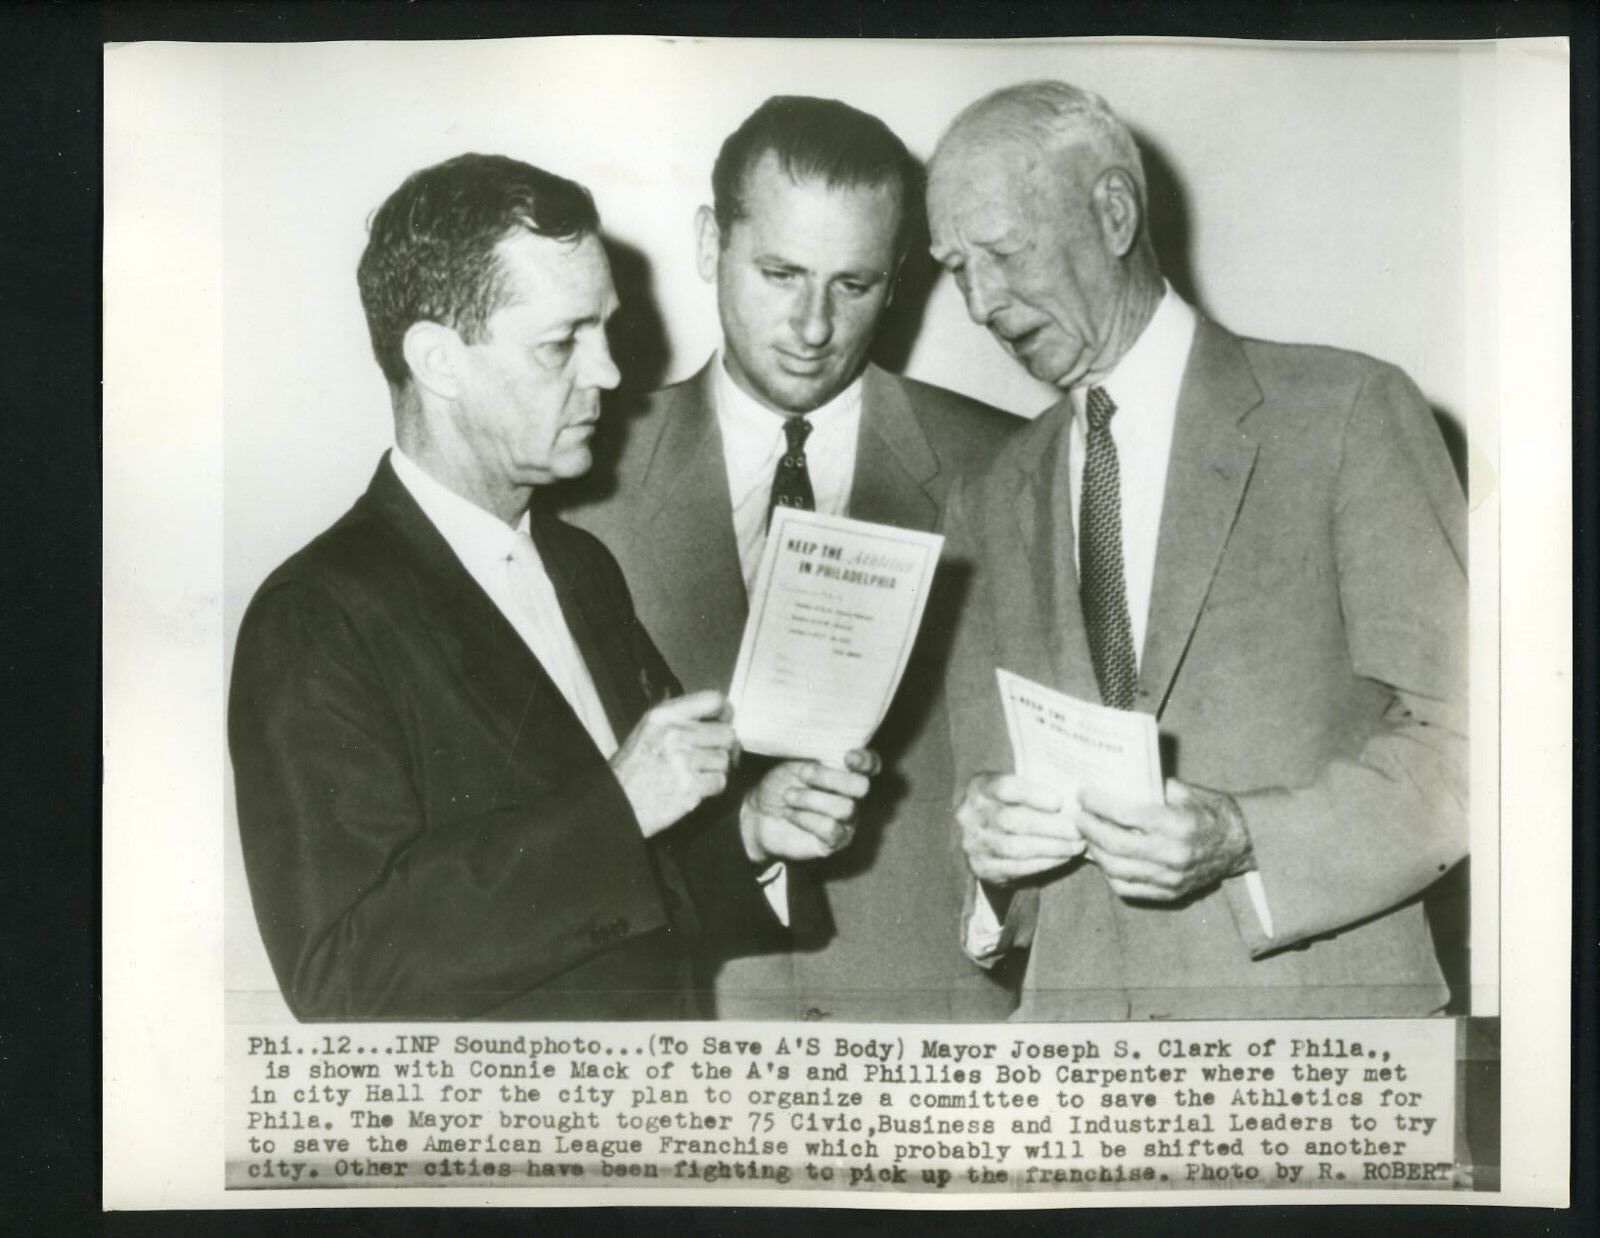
x: 1101, y: 584
x: 791, y: 484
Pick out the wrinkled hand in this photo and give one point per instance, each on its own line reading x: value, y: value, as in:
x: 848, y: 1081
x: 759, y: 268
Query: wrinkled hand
x: 805, y: 810
x: 677, y: 755
x: 1012, y: 828
x: 1163, y: 852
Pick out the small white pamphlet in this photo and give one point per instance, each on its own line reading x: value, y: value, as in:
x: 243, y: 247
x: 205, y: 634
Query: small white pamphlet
x: 833, y: 616
x: 1062, y: 742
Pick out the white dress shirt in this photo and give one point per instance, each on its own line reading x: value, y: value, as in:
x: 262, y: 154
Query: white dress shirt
x: 507, y: 566
x: 1144, y: 387
x: 752, y: 443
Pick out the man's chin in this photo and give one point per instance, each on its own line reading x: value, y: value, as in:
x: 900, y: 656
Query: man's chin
x: 1047, y: 361
x: 571, y: 464
x: 1056, y: 372
x: 791, y: 393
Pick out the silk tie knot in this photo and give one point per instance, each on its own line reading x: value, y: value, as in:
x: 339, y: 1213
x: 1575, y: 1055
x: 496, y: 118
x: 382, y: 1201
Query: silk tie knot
x: 791, y: 481
x: 796, y: 430
x: 1099, y: 407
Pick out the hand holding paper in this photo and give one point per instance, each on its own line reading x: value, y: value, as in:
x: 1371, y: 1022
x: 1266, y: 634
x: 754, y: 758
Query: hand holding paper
x: 805, y: 810
x: 1012, y: 828
x: 1017, y: 826
x: 833, y: 617
x: 1164, y: 852
x: 1154, y: 841
x: 678, y: 754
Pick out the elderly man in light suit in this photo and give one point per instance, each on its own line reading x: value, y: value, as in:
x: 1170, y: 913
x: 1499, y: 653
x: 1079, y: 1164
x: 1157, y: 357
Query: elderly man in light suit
x: 1260, y: 544
x: 812, y: 203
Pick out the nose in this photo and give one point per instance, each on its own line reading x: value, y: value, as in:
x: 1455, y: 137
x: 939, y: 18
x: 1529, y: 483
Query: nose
x: 601, y: 372
x: 812, y: 318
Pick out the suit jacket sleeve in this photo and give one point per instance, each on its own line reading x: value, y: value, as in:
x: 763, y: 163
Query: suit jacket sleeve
x: 1378, y: 828
x: 368, y: 908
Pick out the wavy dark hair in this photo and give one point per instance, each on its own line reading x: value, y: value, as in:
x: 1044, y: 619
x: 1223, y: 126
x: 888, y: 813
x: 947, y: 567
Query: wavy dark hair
x: 430, y: 254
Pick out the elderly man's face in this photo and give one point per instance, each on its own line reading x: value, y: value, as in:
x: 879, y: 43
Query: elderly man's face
x: 1020, y: 235
x: 530, y: 388
x: 802, y: 280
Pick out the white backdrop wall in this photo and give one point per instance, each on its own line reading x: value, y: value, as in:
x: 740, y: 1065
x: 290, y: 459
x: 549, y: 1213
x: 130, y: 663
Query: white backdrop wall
x: 1311, y: 193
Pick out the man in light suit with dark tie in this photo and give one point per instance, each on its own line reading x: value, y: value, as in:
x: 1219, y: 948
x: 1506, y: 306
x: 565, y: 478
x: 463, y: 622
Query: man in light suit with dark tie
x: 463, y: 770
x: 1263, y: 546
x: 812, y: 210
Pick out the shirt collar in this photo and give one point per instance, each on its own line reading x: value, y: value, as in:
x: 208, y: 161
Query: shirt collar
x: 478, y: 538
x: 1150, y: 373
x: 752, y: 432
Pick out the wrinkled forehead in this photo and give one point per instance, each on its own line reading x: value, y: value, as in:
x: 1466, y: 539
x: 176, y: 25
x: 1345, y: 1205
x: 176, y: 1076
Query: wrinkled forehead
x: 970, y: 184
x: 983, y: 182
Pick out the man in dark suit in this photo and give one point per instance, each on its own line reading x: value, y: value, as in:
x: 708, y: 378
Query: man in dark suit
x: 438, y: 818
x: 813, y: 203
x: 1263, y: 546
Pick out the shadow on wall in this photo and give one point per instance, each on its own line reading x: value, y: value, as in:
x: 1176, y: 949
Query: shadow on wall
x: 1455, y: 441
x: 902, y: 321
x: 637, y: 334
x: 1167, y: 211
x: 638, y: 339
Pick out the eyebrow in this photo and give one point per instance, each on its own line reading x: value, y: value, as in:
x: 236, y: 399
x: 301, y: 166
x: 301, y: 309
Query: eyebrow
x: 587, y: 320
x: 775, y: 260
x: 1007, y: 234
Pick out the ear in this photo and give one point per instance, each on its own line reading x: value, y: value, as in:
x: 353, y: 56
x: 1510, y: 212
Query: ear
x: 708, y: 249
x: 433, y: 354
x: 1116, y: 201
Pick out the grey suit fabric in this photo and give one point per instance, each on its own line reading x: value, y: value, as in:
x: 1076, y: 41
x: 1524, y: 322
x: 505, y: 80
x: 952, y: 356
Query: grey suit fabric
x: 889, y: 945
x: 1305, y: 651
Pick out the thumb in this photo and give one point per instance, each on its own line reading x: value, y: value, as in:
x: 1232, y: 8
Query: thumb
x: 703, y: 706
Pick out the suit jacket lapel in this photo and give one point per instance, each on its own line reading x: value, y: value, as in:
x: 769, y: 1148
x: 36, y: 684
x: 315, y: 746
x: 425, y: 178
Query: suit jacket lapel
x: 496, y: 666
x: 1207, y: 474
x: 685, y: 515
x: 895, y: 464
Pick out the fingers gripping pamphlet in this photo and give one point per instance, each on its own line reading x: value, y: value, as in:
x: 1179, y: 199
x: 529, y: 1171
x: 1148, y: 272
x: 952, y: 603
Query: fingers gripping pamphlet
x: 1062, y: 742
x: 834, y: 614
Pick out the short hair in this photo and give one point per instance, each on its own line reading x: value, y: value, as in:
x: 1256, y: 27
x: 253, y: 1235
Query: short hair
x: 430, y: 254
x: 815, y: 139
x: 1052, y: 117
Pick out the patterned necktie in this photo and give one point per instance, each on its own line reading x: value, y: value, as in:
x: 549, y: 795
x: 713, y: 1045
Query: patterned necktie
x: 1101, y: 585
x: 791, y: 483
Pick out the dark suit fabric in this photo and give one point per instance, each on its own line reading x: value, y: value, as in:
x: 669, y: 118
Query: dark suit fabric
x: 885, y: 943
x: 429, y: 831
x: 1305, y: 651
